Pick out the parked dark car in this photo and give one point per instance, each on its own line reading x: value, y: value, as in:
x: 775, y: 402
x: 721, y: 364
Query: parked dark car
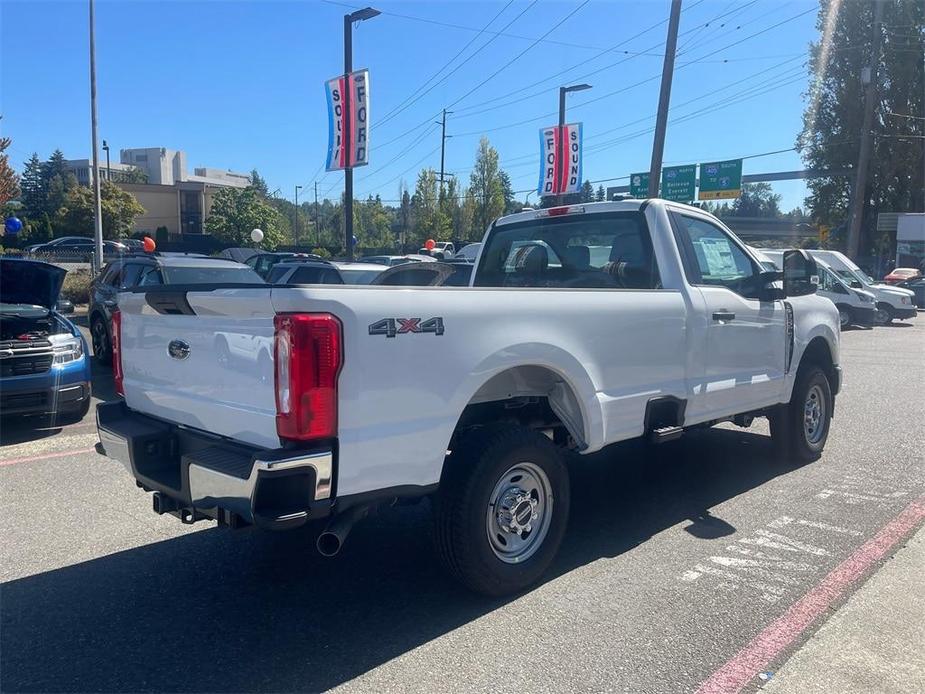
x: 917, y: 285
x: 445, y: 274
x: 75, y: 249
x: 318, y: 271
x: 44, y: 366
x: 262, y: 263
x: 148, y: 270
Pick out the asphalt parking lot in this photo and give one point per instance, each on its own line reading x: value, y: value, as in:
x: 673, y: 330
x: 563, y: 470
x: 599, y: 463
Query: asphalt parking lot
x: 675, y: 559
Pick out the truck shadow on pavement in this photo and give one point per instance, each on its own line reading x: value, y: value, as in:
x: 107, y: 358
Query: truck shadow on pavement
x: 237, y: 611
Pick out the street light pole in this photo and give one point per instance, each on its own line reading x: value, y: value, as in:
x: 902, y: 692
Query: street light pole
x: 561, y: 153
x: 108, y: 170
x: 98, y: 212
x: 349, y: 19
x: 664, y: 97
x: 296, y: 225
x: 317, y: 228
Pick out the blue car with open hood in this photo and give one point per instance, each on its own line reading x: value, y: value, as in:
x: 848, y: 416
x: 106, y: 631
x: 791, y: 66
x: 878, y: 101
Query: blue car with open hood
x: 44, y: 367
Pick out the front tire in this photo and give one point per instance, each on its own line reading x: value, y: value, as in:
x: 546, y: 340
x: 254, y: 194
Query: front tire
x: 884, y: 314
x: 502, y: 509
x: 844, y: 317
x: 801, y: 427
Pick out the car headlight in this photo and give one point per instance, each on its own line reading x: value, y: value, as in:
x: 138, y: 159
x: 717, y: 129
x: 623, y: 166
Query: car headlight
x: 865, y: 299
x: 904, y: 299
x: 67, y: 348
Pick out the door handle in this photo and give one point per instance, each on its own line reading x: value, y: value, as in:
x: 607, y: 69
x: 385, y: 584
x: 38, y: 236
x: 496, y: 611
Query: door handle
x: 723, y: 315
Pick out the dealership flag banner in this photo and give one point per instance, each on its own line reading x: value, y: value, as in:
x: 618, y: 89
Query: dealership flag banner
x: 560, y: 175
x: 338, y: 158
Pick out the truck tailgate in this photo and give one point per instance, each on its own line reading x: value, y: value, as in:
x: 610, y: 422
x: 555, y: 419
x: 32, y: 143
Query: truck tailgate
x: 205, y: 361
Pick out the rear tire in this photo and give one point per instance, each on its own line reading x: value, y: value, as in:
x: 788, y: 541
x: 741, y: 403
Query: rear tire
x: 502, y: 509
x: 102, y: 347
x: 801, y: 427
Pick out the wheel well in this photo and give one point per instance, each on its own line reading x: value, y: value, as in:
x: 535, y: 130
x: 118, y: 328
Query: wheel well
x: 531, y: 396
x: 817, y: 352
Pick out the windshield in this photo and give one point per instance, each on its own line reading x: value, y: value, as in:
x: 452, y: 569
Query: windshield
x: 211, y: 275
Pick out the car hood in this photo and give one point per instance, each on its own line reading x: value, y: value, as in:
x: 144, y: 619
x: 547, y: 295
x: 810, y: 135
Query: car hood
x: 895, y: 291
x: 30, y: 282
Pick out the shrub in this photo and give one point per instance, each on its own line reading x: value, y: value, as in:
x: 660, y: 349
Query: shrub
x: 77, y: 286
x: 322, y: 252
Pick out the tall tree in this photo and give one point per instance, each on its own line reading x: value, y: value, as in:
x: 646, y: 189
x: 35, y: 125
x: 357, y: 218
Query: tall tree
x: 404, y: 216
x: 259, y: 184
x: 833, y: 116
x: 57, y: 182
x: 33, y: 188
x: 507, y: 192
x: 757, y: 200
x: 9, y: 181
x: 587, y: 192
x: 430, y: 222
x: 119, y: 209
x: 486, y: 186
x: 237, y: 211
x: 601, y: 194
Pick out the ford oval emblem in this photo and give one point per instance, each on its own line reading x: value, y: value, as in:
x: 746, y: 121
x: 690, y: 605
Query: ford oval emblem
x: 178, y: 349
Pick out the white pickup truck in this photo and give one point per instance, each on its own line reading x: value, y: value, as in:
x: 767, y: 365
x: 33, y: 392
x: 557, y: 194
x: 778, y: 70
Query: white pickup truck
x: 583, y: 326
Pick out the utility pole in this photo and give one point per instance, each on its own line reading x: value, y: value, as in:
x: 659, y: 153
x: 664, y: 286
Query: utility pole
x: 859, y: 191
x: 296, y: 225
x: 664, y: 97
x: 98, y: 215
x: 349, y: 19
x: 443, y: 137
x: 317, y: 226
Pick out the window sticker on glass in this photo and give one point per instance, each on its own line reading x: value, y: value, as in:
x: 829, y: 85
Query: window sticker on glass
x: 720, y: 261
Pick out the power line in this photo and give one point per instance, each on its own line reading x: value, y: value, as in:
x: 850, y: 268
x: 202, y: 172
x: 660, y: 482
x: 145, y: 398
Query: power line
x: 418, y: 94
x: 521, y: 54
x: 463, y: 27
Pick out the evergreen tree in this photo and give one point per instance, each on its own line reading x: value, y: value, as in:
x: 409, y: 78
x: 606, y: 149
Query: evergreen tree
x: 601, y: 193
x: 587, y: 192
x: 33, y: 188
x: 507, y: 192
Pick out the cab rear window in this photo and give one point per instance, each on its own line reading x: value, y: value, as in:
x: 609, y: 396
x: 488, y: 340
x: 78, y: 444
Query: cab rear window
x: 607, y: 251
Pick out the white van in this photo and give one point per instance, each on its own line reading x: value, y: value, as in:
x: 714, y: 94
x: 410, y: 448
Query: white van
x: 891, y: 302
x: 855, y: 306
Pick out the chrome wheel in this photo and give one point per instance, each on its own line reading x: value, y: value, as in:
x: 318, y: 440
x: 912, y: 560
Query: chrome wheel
x: 99, y: 338
x: 519, y: 513
x: 882, y: 316
x: 814, y: 416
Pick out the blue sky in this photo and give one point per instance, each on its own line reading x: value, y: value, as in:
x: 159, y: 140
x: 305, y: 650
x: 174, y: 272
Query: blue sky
x: 239, y: 85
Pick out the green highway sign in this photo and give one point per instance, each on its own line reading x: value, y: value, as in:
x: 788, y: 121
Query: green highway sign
x: 678, y: 182
x: 720, y: 180
x: 639, y: 185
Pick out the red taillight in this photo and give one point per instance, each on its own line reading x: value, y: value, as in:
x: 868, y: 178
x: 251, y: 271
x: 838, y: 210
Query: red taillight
x: 307, y: 363
x: 117, y: 351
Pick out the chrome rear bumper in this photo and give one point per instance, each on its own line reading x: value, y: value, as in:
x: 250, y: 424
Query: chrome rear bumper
x: 196, y: 475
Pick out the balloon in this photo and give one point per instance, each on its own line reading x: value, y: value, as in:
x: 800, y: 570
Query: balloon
x: 12, y: 225
x: 429, y: 244
x: 257, y: 235
x: 148, y: 244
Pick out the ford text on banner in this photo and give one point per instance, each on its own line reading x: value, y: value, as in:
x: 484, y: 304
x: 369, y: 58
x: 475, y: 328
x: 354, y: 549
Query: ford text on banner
x: 358, y: 83
x: 560, y: 160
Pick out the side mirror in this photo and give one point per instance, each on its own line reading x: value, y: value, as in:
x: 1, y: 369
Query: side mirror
x: 856, y: 284
x: 801, y: 276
